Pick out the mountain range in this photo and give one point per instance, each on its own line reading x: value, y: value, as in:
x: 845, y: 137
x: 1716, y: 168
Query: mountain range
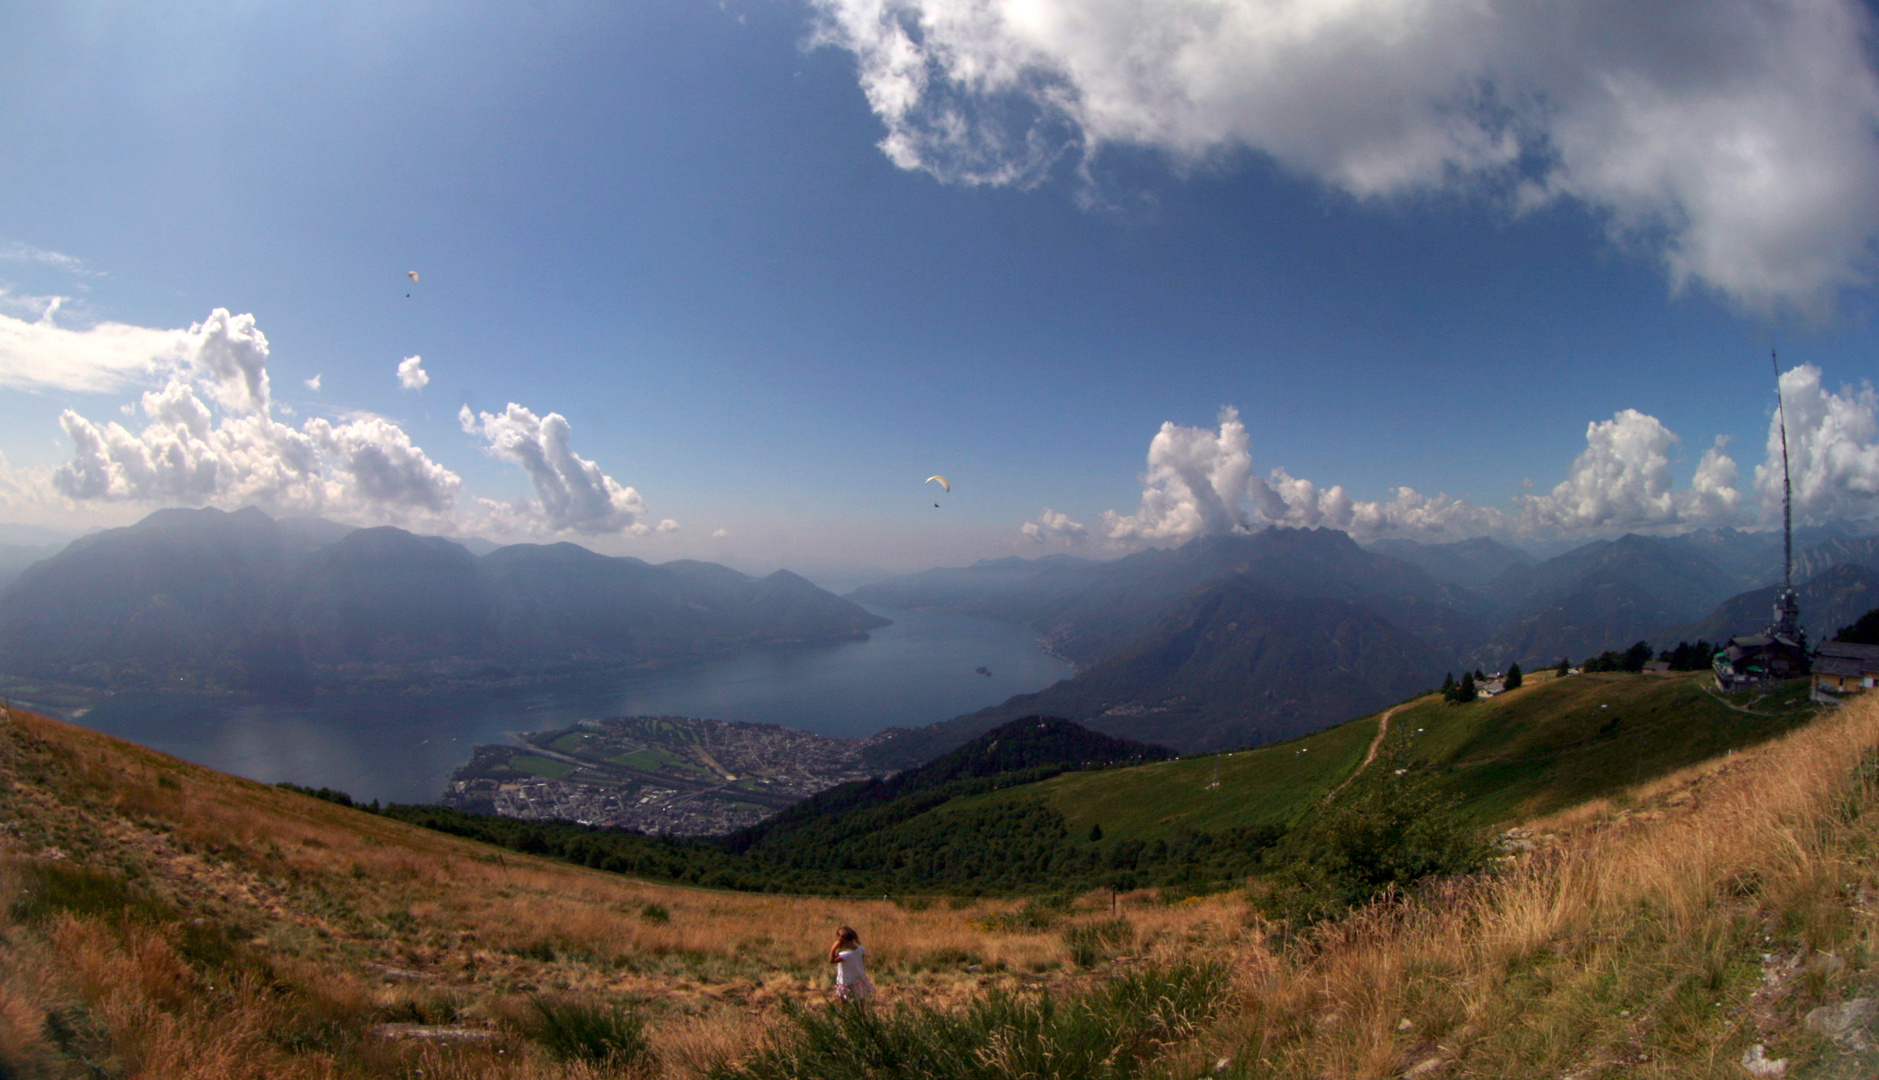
x: 1223, y: 641
x: 241, y: 601
x: 1250, y: 638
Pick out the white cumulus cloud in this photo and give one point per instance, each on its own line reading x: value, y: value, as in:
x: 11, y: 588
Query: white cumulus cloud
x: 1621, y: 480
x: 1735, y: 136
x: 1197, y: 484
x: 1052, y: 527
x: 366, y: 468
x: 411, y: 373
x: 229, y: 450
x: 1202, y: 482
x: 1833, y: 449
x: 572, y: 493
x: 313, y: 384
x: 227, y: 357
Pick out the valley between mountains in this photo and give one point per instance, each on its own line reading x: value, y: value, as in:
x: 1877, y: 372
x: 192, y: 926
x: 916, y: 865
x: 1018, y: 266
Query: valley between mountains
x: 1221, y: 642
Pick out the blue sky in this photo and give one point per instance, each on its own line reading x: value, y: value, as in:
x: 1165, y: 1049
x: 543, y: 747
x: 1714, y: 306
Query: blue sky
x: 772, y: 273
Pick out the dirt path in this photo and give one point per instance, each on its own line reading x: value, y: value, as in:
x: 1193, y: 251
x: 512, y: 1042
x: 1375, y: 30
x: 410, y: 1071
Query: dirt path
x: 1383, y: 729
x: 1727, y: 704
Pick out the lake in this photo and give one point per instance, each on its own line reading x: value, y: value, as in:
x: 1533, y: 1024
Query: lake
x: 918, y: 671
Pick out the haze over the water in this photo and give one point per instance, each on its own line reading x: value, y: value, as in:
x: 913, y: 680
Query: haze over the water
x: 728, y: 281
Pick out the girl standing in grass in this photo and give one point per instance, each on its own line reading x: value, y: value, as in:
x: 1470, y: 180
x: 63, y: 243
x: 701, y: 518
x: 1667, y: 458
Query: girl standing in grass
x: 852, y: 984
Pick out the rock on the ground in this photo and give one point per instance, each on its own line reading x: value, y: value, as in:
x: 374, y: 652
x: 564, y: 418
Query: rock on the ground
x: 1756, y: 1060
x: 1844, y: 1023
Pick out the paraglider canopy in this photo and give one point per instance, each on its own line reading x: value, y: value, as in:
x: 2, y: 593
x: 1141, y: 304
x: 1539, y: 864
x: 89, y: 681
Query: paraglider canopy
x: 945, y: 484
x: 413, y: 275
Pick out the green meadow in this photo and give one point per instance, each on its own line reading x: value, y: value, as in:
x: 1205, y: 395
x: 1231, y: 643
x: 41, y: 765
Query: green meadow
x: 1547, y: 745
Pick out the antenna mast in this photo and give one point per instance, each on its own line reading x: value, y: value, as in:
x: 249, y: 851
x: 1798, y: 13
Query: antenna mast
x: 1787, y: 501
x: 1787, y: 606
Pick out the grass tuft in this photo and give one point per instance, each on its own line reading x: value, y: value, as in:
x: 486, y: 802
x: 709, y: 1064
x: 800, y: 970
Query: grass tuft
x: 1092, y: 943
x: 573, y: 1030
x: 54, y: 887
x: 1112, y: 1033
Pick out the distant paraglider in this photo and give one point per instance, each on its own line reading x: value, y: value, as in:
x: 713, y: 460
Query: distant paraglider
x: 945, y: 485
x: 413, y: 275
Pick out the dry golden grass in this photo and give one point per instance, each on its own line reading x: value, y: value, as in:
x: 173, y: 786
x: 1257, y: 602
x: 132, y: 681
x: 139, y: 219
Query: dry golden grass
x: 370, y: 921
x: 1630, y: 943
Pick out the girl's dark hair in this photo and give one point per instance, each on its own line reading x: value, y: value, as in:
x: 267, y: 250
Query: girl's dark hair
x: 847, y: 933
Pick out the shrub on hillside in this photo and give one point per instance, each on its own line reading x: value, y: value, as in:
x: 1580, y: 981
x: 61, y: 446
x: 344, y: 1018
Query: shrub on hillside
x: 1110, y: 1033
x: 583, y: 1031
x: 331, y: 795
x: 1463, y: 691
x: 1689, y: 657
x: 1093, y: 942
x: 50, y: 888
x: 1632, y: 659
x: 1038, y: 914
x: 1385, y: 832
x: 1863, y: 631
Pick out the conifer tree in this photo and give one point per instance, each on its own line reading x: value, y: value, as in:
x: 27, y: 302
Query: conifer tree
x: 1466, y: 691
x: 1513, y: 678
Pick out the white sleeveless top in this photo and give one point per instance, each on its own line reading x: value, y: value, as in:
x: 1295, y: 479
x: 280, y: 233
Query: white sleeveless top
x: 848, y: 969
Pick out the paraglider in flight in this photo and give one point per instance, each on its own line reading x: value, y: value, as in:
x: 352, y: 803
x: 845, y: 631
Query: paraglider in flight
x: 413, y: 275
x: 945, y: 485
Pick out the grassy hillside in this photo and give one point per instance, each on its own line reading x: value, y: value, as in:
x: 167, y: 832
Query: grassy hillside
x: 1191, y: 822
x: 161, y: 919
x: 1544, y: 746
x: 1234, y: 663
x: 164, y: 920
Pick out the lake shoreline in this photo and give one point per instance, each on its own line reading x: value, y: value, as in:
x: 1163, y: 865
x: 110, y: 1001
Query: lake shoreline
x: 403, y: 747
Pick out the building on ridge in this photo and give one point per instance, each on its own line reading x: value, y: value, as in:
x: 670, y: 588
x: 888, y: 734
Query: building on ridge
x: 1779, y: 652
x: 1841, y: 667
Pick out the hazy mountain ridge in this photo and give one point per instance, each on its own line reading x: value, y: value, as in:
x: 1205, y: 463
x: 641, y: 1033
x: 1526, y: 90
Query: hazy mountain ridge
x: 1472, y: 563
x: 240, y: 601
x: 1831, y: 599
x: 1605, y: 595
x: 1328, y: 630
x: 1094, y: 611
x: 951, y: 588
x: 1840, y: 551
x: 1234, y: 664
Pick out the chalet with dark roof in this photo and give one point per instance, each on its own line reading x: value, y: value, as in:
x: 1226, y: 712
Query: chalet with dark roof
x: 1842, y: 667
x: 1760, y: 658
